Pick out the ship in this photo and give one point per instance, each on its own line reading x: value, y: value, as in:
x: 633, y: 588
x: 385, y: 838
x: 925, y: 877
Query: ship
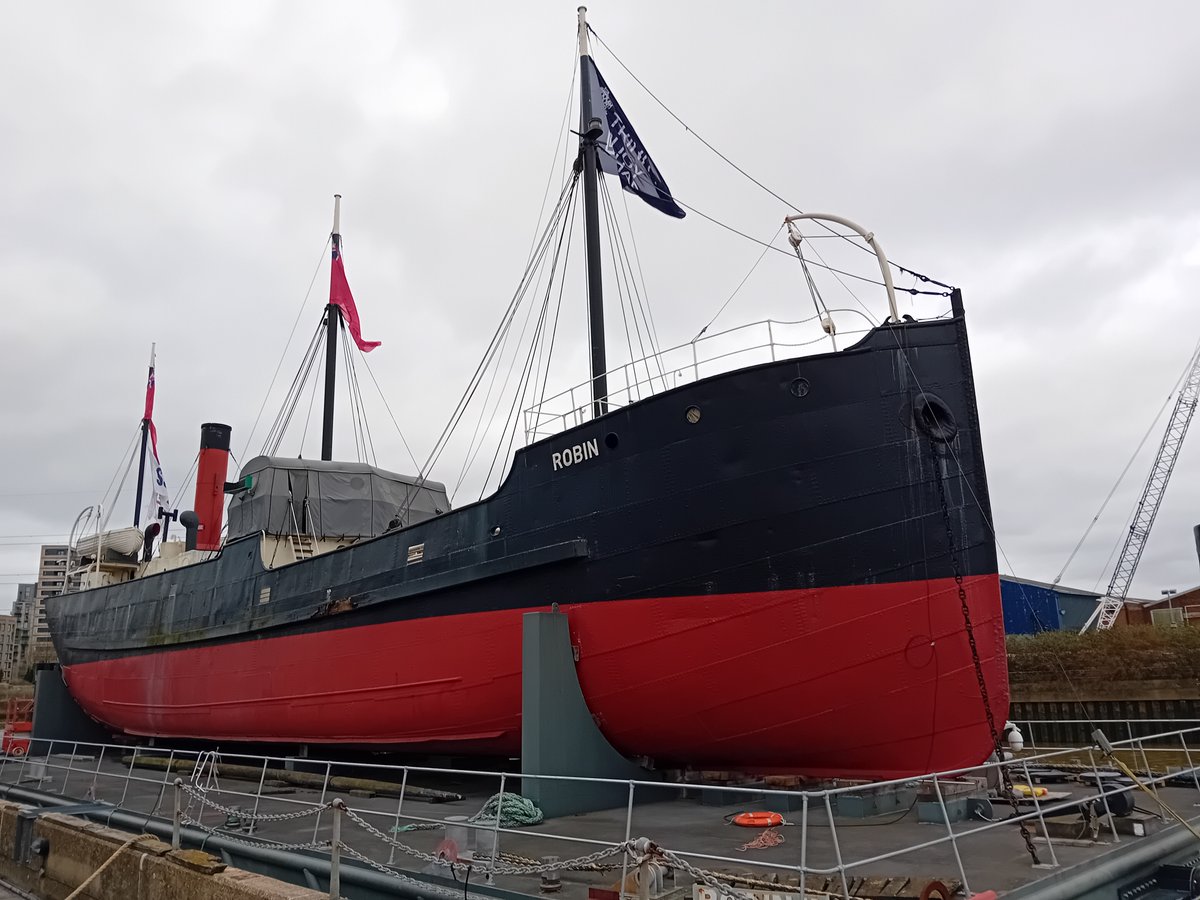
x: 785, y: 565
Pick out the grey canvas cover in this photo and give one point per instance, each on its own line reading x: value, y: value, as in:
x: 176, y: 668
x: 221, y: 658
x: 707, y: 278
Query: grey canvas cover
x: 329, y: 499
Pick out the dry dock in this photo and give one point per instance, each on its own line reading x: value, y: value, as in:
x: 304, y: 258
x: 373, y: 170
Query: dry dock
x: 406, y: 829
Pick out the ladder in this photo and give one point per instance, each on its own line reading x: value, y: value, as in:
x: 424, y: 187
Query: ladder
x: 302, y: 546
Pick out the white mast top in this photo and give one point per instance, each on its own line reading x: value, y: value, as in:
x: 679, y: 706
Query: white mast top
x: 583, y: 32
x: 337, y: 213
x: 152, y: 355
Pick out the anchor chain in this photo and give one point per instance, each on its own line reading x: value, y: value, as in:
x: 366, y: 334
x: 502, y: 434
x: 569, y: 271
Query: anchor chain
x: 968, y: 627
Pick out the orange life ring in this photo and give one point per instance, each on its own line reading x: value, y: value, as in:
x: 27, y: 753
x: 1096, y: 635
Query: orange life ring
x: 758, y: 819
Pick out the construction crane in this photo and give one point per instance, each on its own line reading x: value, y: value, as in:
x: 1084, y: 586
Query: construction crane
x: 1113, y: 601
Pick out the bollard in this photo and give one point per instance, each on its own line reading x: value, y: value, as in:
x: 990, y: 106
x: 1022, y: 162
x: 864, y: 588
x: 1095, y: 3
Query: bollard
x: 335, y: 852
x: 177, y: 815
x: 550, y: 880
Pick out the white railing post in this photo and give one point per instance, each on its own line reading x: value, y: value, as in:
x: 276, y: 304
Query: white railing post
x: 962, y: 872
x: 803, y: 841
x: 1103, y: 796
x: 258, y: 796
x: 324, y: 789
x: 91, y: 795
x: 837, y: 848
x: 335, y: 852
x: 771, y: 339
x: 70, y: 768
x: 128, y: 777
x: 177, y: 815
x: 1162, y: 810
x: 628, y: 837
x: 396, y: 827
x: 491, y: 873
x: 1188, y: 756
x: 1041, y: 819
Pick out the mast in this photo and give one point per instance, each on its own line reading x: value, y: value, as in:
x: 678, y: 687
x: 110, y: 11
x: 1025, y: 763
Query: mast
x: 591, y: 131
x: 141, y: 482
x: 333, y: 318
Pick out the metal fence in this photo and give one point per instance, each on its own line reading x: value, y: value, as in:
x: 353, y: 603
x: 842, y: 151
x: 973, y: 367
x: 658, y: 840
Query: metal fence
x: 1065, y: 733
x: 196, y: 790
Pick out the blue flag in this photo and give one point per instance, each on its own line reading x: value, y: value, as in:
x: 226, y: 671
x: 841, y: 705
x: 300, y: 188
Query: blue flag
x: 620, y: 150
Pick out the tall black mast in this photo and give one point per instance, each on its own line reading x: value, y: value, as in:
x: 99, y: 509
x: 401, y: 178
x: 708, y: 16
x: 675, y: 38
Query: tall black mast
x: 590, y: 131
x: 141, y: 482
x: 333, y: 319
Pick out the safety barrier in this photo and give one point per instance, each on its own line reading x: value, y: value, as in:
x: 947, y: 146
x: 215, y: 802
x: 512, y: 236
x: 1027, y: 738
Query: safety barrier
x: 192, y: 792
x: 758, y: 342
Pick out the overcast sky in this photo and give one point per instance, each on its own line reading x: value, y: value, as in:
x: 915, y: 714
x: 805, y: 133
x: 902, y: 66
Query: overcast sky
x: 168, y: 173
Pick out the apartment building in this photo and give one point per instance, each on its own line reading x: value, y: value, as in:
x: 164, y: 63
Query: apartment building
x: 52, y: 581
x: 10, y: 655
x: 23, y: 612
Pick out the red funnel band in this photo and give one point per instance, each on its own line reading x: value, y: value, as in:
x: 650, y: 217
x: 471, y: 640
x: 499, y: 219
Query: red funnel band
x: 210, y: 484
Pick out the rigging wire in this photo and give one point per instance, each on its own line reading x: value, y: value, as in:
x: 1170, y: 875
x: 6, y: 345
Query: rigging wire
x: 821, y: 265
x: 560, y: 144
x: 524, y: 382
x: 473, y: 448
x: 187, y: 479
x: 104, y: 498
x: 356, y: 399
x: 355, y: 425
x: 767, y: 245
x: 633, y: 357
x: 818, y: 301
x: 383, y: 397
x: 631, y: 286
x: 562, y: 284
x: 641, y: 275
x: 742, y: 171
x: 286, y: 346
x: 522, y: 386
x: 120, y: 487
x: 505, y: 323
x: 312, y: 399
x: 295, y: 392
x: 625, y: 272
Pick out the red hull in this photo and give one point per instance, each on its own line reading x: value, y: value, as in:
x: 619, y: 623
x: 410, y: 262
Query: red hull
x: 870, y: 680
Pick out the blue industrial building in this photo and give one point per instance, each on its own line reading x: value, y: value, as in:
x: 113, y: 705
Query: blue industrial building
x: 1033, y: 606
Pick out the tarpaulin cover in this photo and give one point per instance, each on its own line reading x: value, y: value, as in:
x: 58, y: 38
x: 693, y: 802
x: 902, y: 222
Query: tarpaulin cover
x: 329, y: 499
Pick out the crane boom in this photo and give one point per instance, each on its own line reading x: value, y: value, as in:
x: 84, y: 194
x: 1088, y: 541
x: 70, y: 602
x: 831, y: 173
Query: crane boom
x: 1113, y: 601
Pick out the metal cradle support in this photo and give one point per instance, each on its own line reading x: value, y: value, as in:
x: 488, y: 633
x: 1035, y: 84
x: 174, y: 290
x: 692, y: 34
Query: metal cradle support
x: 56, y: 715
x: 559, y: 735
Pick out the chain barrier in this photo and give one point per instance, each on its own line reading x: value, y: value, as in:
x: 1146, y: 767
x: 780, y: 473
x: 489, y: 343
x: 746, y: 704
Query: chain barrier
x: 969, y: 628
x: 529, y: 861
x: 261, y: 842
x: 501, y: 868
x: 426, y: 887
x: 254, y: 817
x: 701, y: 875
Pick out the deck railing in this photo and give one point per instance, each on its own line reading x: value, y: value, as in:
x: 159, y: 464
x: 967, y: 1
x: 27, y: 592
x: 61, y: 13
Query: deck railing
x: 710, y: 354
x: 204, y: 799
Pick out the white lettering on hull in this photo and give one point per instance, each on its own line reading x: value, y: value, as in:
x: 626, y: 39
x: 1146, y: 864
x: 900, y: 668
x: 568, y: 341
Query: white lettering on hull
x: 575, y: 454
